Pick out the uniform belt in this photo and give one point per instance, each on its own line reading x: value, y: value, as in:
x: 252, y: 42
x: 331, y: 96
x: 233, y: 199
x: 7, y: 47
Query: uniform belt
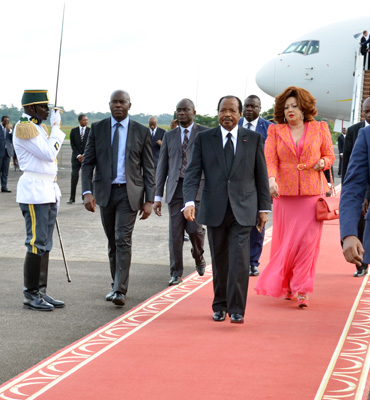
x: 43, y: 177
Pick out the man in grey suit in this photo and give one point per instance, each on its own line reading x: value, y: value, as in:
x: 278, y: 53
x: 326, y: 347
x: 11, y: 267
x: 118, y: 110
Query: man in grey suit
x: 236, y: 190
x: 175, y: 153
x: 6, y: 151
x: 120, y: 150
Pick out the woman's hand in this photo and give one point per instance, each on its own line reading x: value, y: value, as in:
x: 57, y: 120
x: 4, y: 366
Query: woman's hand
x: 274, y: 188
x: 319, y: 165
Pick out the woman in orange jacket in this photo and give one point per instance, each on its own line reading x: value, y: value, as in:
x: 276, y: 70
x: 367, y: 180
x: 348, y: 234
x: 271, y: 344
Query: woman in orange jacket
x: 297, y: 149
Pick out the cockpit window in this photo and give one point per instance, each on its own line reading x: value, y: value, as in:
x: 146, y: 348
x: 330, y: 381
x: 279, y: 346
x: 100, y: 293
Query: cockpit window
x: 314, y: 47
x: 302, y: 47
x: 291, y: 48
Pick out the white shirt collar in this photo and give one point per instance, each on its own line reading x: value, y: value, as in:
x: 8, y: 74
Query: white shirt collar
x: 366, y: 123
x: 189, y: 128
x: 233, y: 132
x: 253, y: 123
x: 124, y: 123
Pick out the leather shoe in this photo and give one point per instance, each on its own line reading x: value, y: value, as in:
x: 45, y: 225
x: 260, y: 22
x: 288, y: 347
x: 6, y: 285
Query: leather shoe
x: 34, y: 301
x: 109, y: 296
x: 70, y: 201
x: 219, y: 316
x: 237, y: 319
x: 53, y: 302
x: 360, y: 273
x: 253, y: 270
x: 201, y: 266
x: 119, y: 299
x: 5, y: 190
x: 175, y: 280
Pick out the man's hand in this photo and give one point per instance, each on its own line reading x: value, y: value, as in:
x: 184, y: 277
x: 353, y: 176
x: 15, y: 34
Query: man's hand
x: 146, y: 210
x: 159, y: 142
x: 263, y: 217
x: 80, y: 158
x: 157, y: 206
x: 274, y: 188
x: 89, y: 202
x: 365, y: 207
x: 55, y: 118
x: 353, y: 250
x: 189, y: 213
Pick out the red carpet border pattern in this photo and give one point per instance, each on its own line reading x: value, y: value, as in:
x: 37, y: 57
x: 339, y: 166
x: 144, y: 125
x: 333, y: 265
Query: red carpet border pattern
x: 348, y: 370
x: 48, y: 373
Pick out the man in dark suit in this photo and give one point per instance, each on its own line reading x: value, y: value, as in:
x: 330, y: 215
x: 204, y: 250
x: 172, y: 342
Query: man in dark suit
x: 157, y: 136
x: 252, y: 121
x: 78, y: 139
x: 120, y: 151
x: 6, y: 151
x: 356, y: 250
x: 351, y: 137
x: 235, y: 190
x: 341, y: 139
x: 175, y: 153
x: 364, y: 48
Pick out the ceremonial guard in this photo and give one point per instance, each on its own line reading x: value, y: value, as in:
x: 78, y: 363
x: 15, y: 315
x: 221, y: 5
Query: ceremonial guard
x: 38, y: 194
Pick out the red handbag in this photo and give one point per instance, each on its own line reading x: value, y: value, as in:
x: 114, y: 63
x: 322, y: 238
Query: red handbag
x: 327, y: 208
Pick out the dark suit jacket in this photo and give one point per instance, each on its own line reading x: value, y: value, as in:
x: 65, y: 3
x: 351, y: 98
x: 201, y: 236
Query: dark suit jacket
x: 8, y: 151
x: 246, y: 188
x: 351, y: 137
x: 170, y: 160
x: 353, y: 191
x: 341, y: 143
x: 139, y: 167
x: 262, y: 126
x: 78, y: 146
x: 364, y: 45
x: 155, y: 146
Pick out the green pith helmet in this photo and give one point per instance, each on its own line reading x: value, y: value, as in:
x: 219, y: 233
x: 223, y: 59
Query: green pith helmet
x: 35, y: 97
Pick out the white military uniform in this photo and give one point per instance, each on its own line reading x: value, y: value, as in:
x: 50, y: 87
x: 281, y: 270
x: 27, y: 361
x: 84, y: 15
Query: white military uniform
x: 37, y: 159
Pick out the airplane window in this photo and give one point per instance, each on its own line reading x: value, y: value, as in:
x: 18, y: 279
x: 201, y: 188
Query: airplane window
x: 314, y: 47
x: 302, y: 47
x: 291, y: 48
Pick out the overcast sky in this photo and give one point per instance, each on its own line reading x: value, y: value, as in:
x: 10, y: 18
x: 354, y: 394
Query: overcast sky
x: 160, y: 51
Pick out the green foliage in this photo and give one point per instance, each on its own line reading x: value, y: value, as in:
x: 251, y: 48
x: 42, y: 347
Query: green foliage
x: 269, y: 114
x: 206, y: 120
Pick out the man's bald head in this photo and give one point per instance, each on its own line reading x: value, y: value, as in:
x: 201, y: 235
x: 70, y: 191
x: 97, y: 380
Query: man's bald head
x: 119, y: 105
x: 366, y: 109
x: 153, y: 123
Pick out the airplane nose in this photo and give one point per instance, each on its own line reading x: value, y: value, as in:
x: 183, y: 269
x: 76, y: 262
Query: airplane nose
x: 265, y: 78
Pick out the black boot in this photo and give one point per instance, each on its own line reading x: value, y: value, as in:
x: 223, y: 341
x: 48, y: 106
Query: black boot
x: 44, y: 281
x: 32, y: 298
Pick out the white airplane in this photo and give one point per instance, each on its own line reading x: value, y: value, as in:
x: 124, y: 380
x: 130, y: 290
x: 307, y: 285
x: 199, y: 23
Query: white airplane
x: 324, y: 63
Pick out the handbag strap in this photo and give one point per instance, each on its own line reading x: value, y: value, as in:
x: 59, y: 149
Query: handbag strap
x: 333, y: 192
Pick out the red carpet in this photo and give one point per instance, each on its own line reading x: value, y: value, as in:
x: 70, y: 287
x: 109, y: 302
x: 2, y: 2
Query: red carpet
x: 169, y: 347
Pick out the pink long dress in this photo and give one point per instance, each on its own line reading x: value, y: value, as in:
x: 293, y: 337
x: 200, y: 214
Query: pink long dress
x: 295, y: 244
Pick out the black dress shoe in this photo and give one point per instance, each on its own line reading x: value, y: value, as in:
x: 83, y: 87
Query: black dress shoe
x: 53, y: 302
x: 119, y: 299
x: 175, y: 280
x: 253, y: 270
x: 219, y: 316
x: 5, y: 190
x: 34, y: 301
x: 237, y: 319
x: 70, y: 201
x: 201, y: 266
x: 360, y: 273
x: 109, y: 296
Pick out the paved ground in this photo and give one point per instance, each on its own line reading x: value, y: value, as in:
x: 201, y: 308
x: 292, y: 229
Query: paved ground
x: 28, y: 337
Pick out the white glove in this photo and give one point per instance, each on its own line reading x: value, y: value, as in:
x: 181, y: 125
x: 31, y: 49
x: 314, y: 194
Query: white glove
x: 55, y: 118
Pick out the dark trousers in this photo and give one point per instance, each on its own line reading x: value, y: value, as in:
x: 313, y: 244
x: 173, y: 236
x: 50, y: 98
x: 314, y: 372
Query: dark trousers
x: 361, y: 229
x: 40, y: 221
x: 340, y: 166
x: 177, y: 226
x: 256, y: 246
x: 229, y: 245
x: 76, y: 166
x: 4, y: 169
x: 118, y: 221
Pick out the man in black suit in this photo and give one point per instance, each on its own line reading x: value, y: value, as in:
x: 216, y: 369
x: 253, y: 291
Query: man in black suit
x: 341, y: 139
x: 175, y: 153
x: 6, y: 151
x: 235, y: 191
x: 157, y: 136
x: 364, y: 48
x: 120, y: 151
x: 351, y: 137
x: 78, y: 139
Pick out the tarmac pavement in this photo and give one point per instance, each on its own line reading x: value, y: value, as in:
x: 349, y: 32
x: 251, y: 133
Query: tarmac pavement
x: 28, y: 337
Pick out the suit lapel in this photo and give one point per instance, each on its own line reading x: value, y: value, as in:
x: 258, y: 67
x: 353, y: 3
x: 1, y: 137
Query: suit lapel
x: 130, y: 138
x: 193, y: 134
x: 241, y: 144
x: 219, y: 149
x: 284, y: 133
